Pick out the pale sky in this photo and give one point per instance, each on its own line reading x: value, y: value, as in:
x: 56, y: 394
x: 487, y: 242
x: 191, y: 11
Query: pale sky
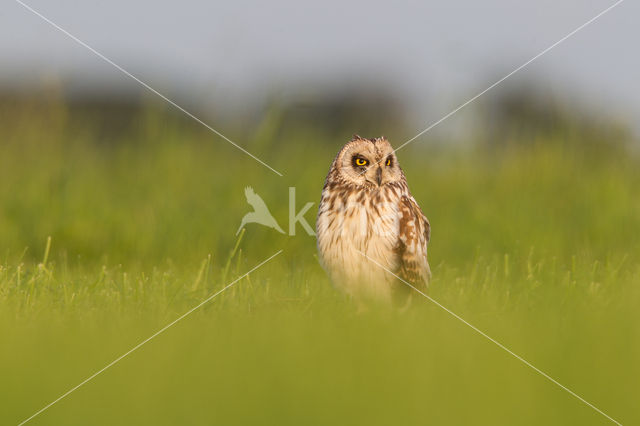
x: 436, y: 54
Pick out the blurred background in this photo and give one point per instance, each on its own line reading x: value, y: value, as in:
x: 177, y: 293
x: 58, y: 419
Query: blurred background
x: 382, y: 65
x: 532, y: 190
x: 283, y: 78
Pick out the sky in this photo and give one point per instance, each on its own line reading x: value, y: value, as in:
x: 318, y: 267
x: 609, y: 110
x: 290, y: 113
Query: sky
x: 434, y: 54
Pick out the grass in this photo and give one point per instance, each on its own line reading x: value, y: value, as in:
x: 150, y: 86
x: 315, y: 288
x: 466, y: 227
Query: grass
x: 536, y: 244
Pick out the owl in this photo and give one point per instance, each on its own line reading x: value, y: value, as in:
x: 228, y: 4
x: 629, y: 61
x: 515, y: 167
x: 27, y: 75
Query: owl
x: 366, y: 216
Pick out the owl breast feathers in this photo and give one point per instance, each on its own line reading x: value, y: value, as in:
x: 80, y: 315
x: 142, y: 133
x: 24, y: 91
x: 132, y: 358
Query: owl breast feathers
x: 368, y: 222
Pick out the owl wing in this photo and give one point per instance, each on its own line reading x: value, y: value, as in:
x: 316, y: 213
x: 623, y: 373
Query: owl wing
x: 413, y: 236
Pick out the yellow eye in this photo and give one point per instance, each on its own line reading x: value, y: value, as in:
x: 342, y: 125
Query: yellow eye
x: 388, y: 163
x: 361, y: 162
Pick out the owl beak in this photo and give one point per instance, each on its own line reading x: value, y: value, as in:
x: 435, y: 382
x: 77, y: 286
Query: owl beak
x: 379, y: 175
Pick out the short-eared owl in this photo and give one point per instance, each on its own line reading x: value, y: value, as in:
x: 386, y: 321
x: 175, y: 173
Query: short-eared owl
x: 367, y: 209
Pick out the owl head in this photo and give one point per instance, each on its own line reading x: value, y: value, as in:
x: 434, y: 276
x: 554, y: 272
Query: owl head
x: 368, y: 163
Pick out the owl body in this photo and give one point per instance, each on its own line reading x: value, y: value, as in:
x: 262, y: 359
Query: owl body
x: 368, y: 219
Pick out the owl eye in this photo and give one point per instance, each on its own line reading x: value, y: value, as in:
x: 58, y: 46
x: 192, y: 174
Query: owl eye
x: 388, y: 162
x: 361, y: 161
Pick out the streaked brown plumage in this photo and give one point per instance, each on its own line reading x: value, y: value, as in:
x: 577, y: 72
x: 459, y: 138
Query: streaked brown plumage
x: 366, y: 208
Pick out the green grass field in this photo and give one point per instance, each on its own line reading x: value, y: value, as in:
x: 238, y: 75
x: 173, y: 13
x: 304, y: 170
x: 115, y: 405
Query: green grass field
x: 536, y: 244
